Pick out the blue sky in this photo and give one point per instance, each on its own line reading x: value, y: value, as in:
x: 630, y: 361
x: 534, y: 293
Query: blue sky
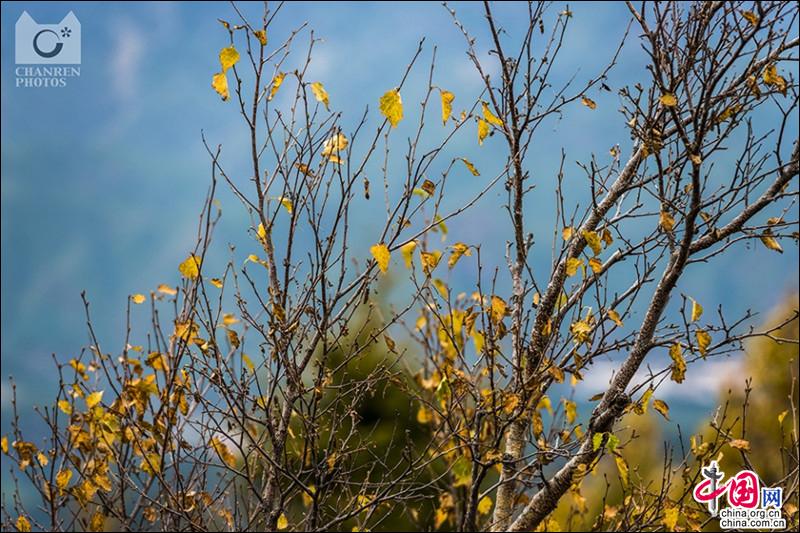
x: 102, y: 180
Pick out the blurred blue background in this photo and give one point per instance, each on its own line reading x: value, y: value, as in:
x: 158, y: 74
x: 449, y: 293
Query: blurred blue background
x: 103, y: 180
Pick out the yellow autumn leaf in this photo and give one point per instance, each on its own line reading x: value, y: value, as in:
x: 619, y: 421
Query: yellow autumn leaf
x: 678, y: 363
x: 483, y: 130
x: 459, y: 249
x: 62, y: 479
x: 593, y: 240
x: 261, y: 35
x: 490, y: 117
x: 42, y: 458
x: 65, y: 407
x: 4, y: 444
x: 320, y: 93
x: 596, y: 265
x: 94, y: 398
x: 97, y: 522
x: 166, y: 289
x: 751, y: 17
x: 780, y: 419
x: 381, y: 254
x: 771, y: 242
x: 703, y: 341
x: 407, y: 251
x: 391, y: 106
x: 728, y: 112
x: 670, y: 518
x: 499, y: 308
x: 23, y: 524
x: 447, y: 104
x: 645, y: 400
x: 228, y: 57
x: 220, y: 84
x: 333, y: 145
x: 138, y: 298
x: 430, y: 260
x: 566, y: 233
x: 773, y: 79
x: 287, y: 204
x: 283, y: 522
x: 570, y: 411
x: 462, y: 472
x: 697, y: 310
x: 556, y: 373
x: 424, y: 416
x: 588, y: 102
x: 666, y: 221
x: 190, y: 268
x: 662, y: 407
x: 216, y: 282
x: 614, y: 316
x: 277, y: 81
x: 740, y: 444
x: 223, y: 452
x: 668, y: 100
x: 622, y: 467
x: 471, y: 167
x: 485, y: 505
x: 573, y: 263
x: 429, y: 187
x: 477, y: 338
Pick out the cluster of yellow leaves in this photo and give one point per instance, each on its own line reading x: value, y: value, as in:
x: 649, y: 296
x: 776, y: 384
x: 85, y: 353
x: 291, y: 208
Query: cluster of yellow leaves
x: 391, y: 106
x: 227, y: 58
